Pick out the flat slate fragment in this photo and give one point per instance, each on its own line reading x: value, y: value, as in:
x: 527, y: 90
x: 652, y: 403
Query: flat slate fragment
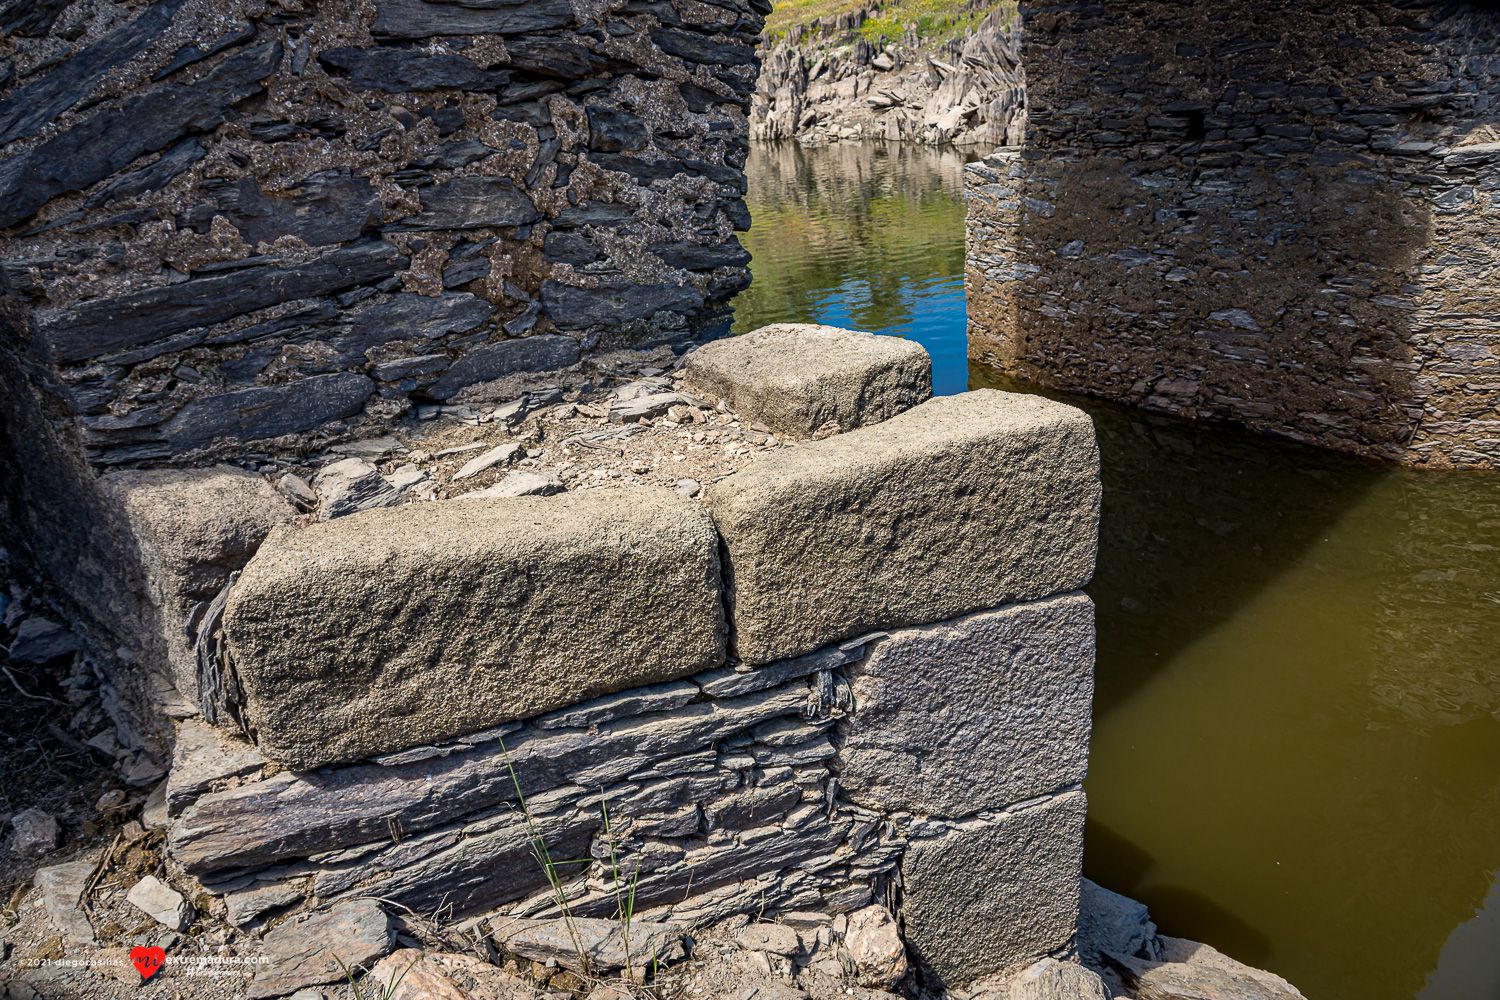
x: 963, y: 503
x: 796, y: 377
x: 430, y: 621
x: 290, y: 814
x: 117, y: 322
x: 613, y: 303
x: 421, y: 19
x: 268, y: 411
x: 472, y: 202
x: 524, y: 354
x: 106, y: 143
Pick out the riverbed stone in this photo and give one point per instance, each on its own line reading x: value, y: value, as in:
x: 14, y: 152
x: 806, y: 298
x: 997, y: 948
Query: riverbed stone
x: 1050, y: 979
x: 974, y: 713
x: 205, y: 758
x: 192, y: 529
x: 601, y: 942
x: 962, y: 503
x: 797, y: 377
x: 62, y: 894
x: 308, y: 950
x: 431, y: 621
x: 161, y: 903
x: 992, y: 894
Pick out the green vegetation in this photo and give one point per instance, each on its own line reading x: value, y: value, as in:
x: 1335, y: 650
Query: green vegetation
x: 935, y: 21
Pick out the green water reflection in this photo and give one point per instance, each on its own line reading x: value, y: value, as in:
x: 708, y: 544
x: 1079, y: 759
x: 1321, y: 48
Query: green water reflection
x: 861, y: 235
x: 1296, y: 752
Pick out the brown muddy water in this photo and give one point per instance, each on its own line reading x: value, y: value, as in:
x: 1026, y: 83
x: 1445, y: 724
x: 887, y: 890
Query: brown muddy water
x: 1296, y: 750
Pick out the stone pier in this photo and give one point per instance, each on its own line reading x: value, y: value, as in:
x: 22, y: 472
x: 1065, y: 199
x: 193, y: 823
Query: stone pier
x: 1275, y: 215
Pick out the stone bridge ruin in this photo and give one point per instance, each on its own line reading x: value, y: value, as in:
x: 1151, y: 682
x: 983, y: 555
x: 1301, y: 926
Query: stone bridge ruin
x: 1280, y: 215
x: 249, y: 244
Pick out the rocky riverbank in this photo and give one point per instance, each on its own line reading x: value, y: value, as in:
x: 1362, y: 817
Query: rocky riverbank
x: 868, y: 74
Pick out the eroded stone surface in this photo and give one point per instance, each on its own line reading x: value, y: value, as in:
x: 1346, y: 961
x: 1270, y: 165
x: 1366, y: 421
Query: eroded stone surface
x: 192, y: 528
x: 308, y: 950
x: 796, y: 377
x: 436, y: 620
x: 602, y: 942
x: 962, y: 503
x: 972, y: 714
x: 987, y: 895
x: 62, y: 888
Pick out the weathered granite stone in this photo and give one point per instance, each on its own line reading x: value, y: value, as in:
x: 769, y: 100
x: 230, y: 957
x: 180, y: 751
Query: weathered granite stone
x: 796, y: 377
x: 269, y: 411
x: 113, y: 323
x: 777, y: 939
x: 386, y: 605
x: 989, y: 895
x: 161, y: 903
x: 614, y: 302
x: 62, y: 890
x: 297, y: 814
x: 962, y: 503
x: 205, y: 756
x: 98, y: 146
x: 307, y: 951
x: 422, y: 19
x: 1050, y: 979
x: 524, y: 354
x: 395, y: 70
x: 471, y: 202
x: 974, y: 713
x: 191, y: 529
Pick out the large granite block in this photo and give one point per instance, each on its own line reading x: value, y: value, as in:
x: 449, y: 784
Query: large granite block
x: 993, y: 894
x: 963, y: 503
x: 972, y: 714
x: 431, y: 621
x: 192, y: 528
x: 796, y: 377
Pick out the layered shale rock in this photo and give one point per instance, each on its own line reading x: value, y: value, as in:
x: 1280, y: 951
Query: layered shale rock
x: 226, y: 223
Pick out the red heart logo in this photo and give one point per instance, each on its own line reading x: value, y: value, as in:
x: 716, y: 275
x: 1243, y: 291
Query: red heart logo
x: 147, y: 961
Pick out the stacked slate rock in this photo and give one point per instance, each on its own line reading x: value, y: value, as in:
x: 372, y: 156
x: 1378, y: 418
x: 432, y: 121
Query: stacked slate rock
x: 1275, y: 215
x: 857, y: 672
x: 227, y: 221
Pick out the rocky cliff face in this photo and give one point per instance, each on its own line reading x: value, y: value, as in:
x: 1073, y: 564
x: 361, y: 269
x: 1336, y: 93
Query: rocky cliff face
x: 229, y: 221
x: 827, y: 81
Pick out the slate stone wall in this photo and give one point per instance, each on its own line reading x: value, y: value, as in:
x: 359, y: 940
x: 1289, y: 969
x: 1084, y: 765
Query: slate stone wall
x: 927, y: 754
x: 1279, y: 215
x: 236, y: 221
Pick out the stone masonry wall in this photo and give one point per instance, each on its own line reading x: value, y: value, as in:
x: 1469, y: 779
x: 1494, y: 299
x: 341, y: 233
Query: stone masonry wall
x: 1280, y: 215
x: 235, y: 221
x: 857, y: 670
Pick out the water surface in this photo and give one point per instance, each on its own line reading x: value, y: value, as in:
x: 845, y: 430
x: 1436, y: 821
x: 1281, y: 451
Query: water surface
x: 1296, y: 753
